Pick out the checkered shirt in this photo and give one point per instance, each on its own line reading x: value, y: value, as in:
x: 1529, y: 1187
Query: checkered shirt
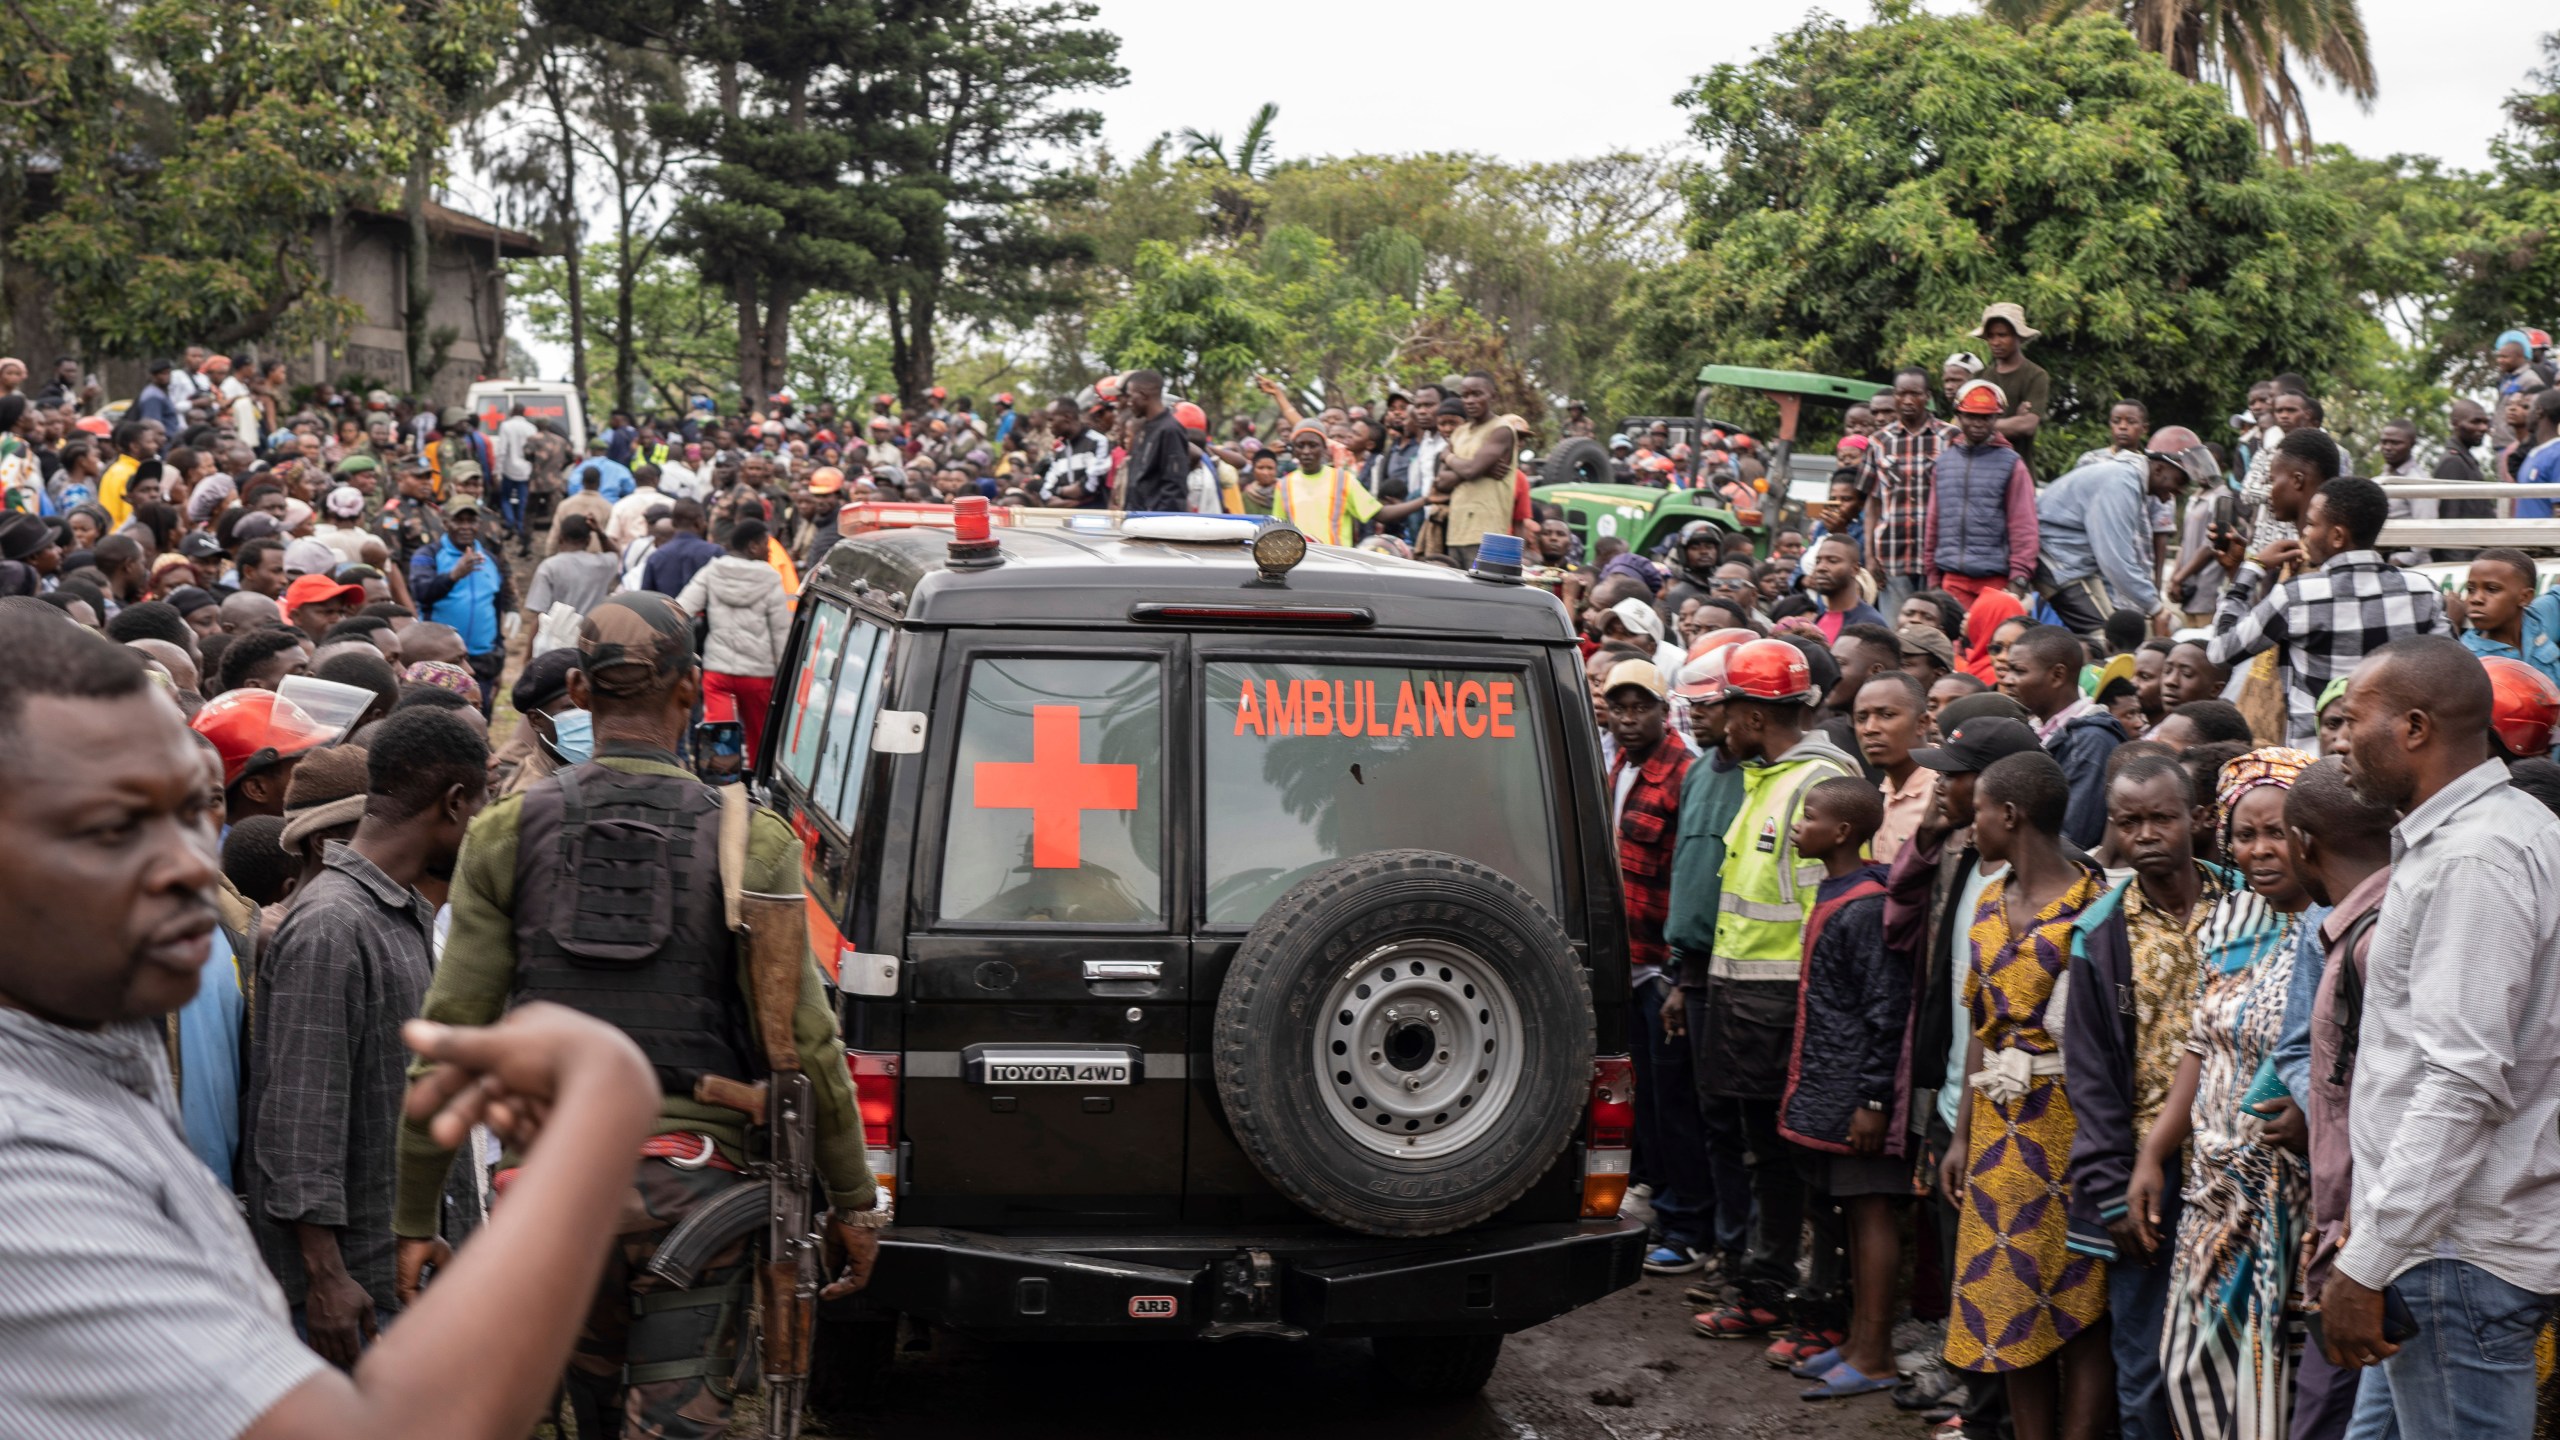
x: 2321, y: 624
x: 1901, y: 469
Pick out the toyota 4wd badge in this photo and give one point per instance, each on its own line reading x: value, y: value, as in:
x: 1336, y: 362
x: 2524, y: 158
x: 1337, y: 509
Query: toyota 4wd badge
x: 1152, y: 1307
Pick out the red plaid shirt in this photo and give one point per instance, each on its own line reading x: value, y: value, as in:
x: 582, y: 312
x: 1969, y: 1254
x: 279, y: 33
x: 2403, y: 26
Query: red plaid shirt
x: 1647, y: 824
x: 1901, y: 467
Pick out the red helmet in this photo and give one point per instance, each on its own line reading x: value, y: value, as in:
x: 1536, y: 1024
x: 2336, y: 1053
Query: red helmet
x: 257, y: 727
x: 1190, y: 416
x: 1720, y: 639
x: 1702, y: 678
x: 2523, y: 707
x: 1770, y: 670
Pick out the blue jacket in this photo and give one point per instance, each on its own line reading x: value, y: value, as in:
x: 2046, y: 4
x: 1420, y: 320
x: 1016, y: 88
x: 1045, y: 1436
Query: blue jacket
x: 671, y: 565
x: 1976, y: 490
x: 616, y: 477
x: 2081, y: 748
x: 472, y: 604
x: 1853, y: 1020
x: 2097, y: 521
x: 2541, y: 633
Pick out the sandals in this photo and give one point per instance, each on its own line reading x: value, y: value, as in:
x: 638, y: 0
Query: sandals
x: 1845, y: 1381
x: 1735, y: 1322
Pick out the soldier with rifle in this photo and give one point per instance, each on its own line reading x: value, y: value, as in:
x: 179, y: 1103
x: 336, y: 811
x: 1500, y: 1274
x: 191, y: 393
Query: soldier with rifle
x: 628, y: 889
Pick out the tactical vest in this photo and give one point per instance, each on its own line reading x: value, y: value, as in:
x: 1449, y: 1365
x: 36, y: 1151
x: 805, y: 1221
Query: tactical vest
x: 619, y: 915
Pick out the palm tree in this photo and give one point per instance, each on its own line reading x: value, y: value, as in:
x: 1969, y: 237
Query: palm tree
x: 2251, y: 47
x: 1251, y: 158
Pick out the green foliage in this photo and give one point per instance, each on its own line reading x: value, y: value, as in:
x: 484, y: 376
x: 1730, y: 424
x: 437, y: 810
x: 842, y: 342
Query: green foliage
x: 1874, y: 188
x: 203, y: 149
x: 1202, y: 322
x: 1403, y: 267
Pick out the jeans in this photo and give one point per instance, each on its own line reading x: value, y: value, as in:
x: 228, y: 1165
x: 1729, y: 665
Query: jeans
x: 2138, y: 1298
x: 1781, y: 1204
x: 1669, y: 1146
x: 1721, y: 1140
x: 2468, y: 1371
x: 1892, y: 590
x: 511, y: 504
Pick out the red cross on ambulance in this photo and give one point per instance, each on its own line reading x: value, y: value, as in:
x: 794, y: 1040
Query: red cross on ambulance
x: 1056, y: 786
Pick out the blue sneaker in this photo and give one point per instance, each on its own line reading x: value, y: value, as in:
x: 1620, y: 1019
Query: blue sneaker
x: 1672, y: 1260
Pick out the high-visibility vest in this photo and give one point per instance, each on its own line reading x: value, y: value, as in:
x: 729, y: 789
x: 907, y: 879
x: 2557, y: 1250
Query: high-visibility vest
x: 1768, y: 887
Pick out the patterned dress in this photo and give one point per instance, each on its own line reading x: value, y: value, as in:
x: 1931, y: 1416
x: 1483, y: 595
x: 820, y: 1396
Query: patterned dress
x: 2233, y: 1323
x: 2020, y: 1291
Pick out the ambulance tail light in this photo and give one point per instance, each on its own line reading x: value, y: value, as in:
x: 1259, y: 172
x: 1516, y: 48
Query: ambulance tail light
x: 1609, y: 1136
x: 875, y: 1094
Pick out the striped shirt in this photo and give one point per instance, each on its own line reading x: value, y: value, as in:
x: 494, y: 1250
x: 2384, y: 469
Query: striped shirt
x: 132, y: 1303
x: 2455, y: 1111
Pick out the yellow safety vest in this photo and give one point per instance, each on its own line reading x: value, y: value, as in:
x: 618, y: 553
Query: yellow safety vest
x: 1768, y: 888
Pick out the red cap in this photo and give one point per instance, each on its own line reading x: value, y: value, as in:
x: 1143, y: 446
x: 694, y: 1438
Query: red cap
x: 1004, y: 397
x: 257, y: 727
x: 310, y: 589
x: 1190, y: 416
x: 937, y: 392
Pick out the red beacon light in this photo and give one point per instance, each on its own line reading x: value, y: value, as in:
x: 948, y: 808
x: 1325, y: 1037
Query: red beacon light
x: 973, y: 538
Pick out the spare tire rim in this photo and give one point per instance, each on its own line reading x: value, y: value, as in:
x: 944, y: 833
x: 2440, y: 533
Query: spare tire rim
x: 1419, y: 1051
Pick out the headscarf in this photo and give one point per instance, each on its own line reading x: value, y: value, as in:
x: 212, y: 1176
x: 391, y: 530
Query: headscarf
x: 1991, y: 610
x: 2270, y: 765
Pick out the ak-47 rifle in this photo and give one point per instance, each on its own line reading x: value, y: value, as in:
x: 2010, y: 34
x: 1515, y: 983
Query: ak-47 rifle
x: 772, y: 948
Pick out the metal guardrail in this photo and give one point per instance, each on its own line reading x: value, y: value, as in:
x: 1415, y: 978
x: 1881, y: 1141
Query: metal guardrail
x: 2524, y: 534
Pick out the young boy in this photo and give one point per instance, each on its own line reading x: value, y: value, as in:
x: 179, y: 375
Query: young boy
x: 1848, y: 1079
x: 2503, y: 614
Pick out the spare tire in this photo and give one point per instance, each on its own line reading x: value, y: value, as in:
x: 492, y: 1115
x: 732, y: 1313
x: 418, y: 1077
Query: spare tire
x: 1403, y: 1043
x: 1578, y: 461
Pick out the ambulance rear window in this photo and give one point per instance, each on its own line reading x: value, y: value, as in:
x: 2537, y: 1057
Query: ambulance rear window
x: 1304, y: 765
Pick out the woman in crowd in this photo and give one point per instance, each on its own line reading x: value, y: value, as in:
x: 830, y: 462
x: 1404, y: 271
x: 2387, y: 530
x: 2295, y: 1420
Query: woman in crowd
x: 2227, y: 1345
x: 750, y: 623
x: 1995, y: 612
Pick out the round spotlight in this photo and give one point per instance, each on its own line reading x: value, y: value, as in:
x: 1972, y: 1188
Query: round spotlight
x: 1277, y: 550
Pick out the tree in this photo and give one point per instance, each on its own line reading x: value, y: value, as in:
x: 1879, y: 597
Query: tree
x: 574, y: 132
x: 951, y: 152
x: 194, y: 157
x: 1872, y: 189
x: 1200, y: 321
x: 1250, y: 159
x: 452, y: 51
x: 770, y: 219
x: 2251, y: 46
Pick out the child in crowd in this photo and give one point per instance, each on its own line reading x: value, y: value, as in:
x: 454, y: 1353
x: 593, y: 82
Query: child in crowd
x: 1848, y: 1080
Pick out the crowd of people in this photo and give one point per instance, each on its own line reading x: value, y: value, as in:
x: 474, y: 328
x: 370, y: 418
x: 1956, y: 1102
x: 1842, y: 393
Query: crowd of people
x: 2151, y: 941
x: 2122, y: 901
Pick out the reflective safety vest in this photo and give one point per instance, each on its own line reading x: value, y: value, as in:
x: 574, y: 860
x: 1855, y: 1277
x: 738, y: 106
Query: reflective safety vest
x: 1768, y: 887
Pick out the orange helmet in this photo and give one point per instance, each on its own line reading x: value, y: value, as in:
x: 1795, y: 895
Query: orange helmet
x: 257, y: 727
x: 1719, y: 639
x: 1190, y: 416
x: 1770, y: 670
x: 825, y: 480
x: 2523, y: 707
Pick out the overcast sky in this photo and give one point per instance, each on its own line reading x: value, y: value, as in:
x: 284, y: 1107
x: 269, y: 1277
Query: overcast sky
x: 1580, y: 81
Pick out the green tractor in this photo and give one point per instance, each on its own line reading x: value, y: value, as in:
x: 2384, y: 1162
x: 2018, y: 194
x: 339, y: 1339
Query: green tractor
x: 1578, y: 476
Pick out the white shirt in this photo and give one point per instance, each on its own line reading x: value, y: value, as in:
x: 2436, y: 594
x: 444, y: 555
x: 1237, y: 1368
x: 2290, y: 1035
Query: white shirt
x: 679, y: 481
x: 2455, y: 1116
x: 630, y: 518
x: 513, y: 462
x: 243, y: 410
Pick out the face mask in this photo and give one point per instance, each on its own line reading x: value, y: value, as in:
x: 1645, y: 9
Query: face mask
x: 573, y: 739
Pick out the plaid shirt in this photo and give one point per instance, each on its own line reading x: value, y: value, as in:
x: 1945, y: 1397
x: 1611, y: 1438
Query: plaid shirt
x: 2321, y: 624
x: 1647, y: 824
x: 327, y: 1070
x: 1901, y: 469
